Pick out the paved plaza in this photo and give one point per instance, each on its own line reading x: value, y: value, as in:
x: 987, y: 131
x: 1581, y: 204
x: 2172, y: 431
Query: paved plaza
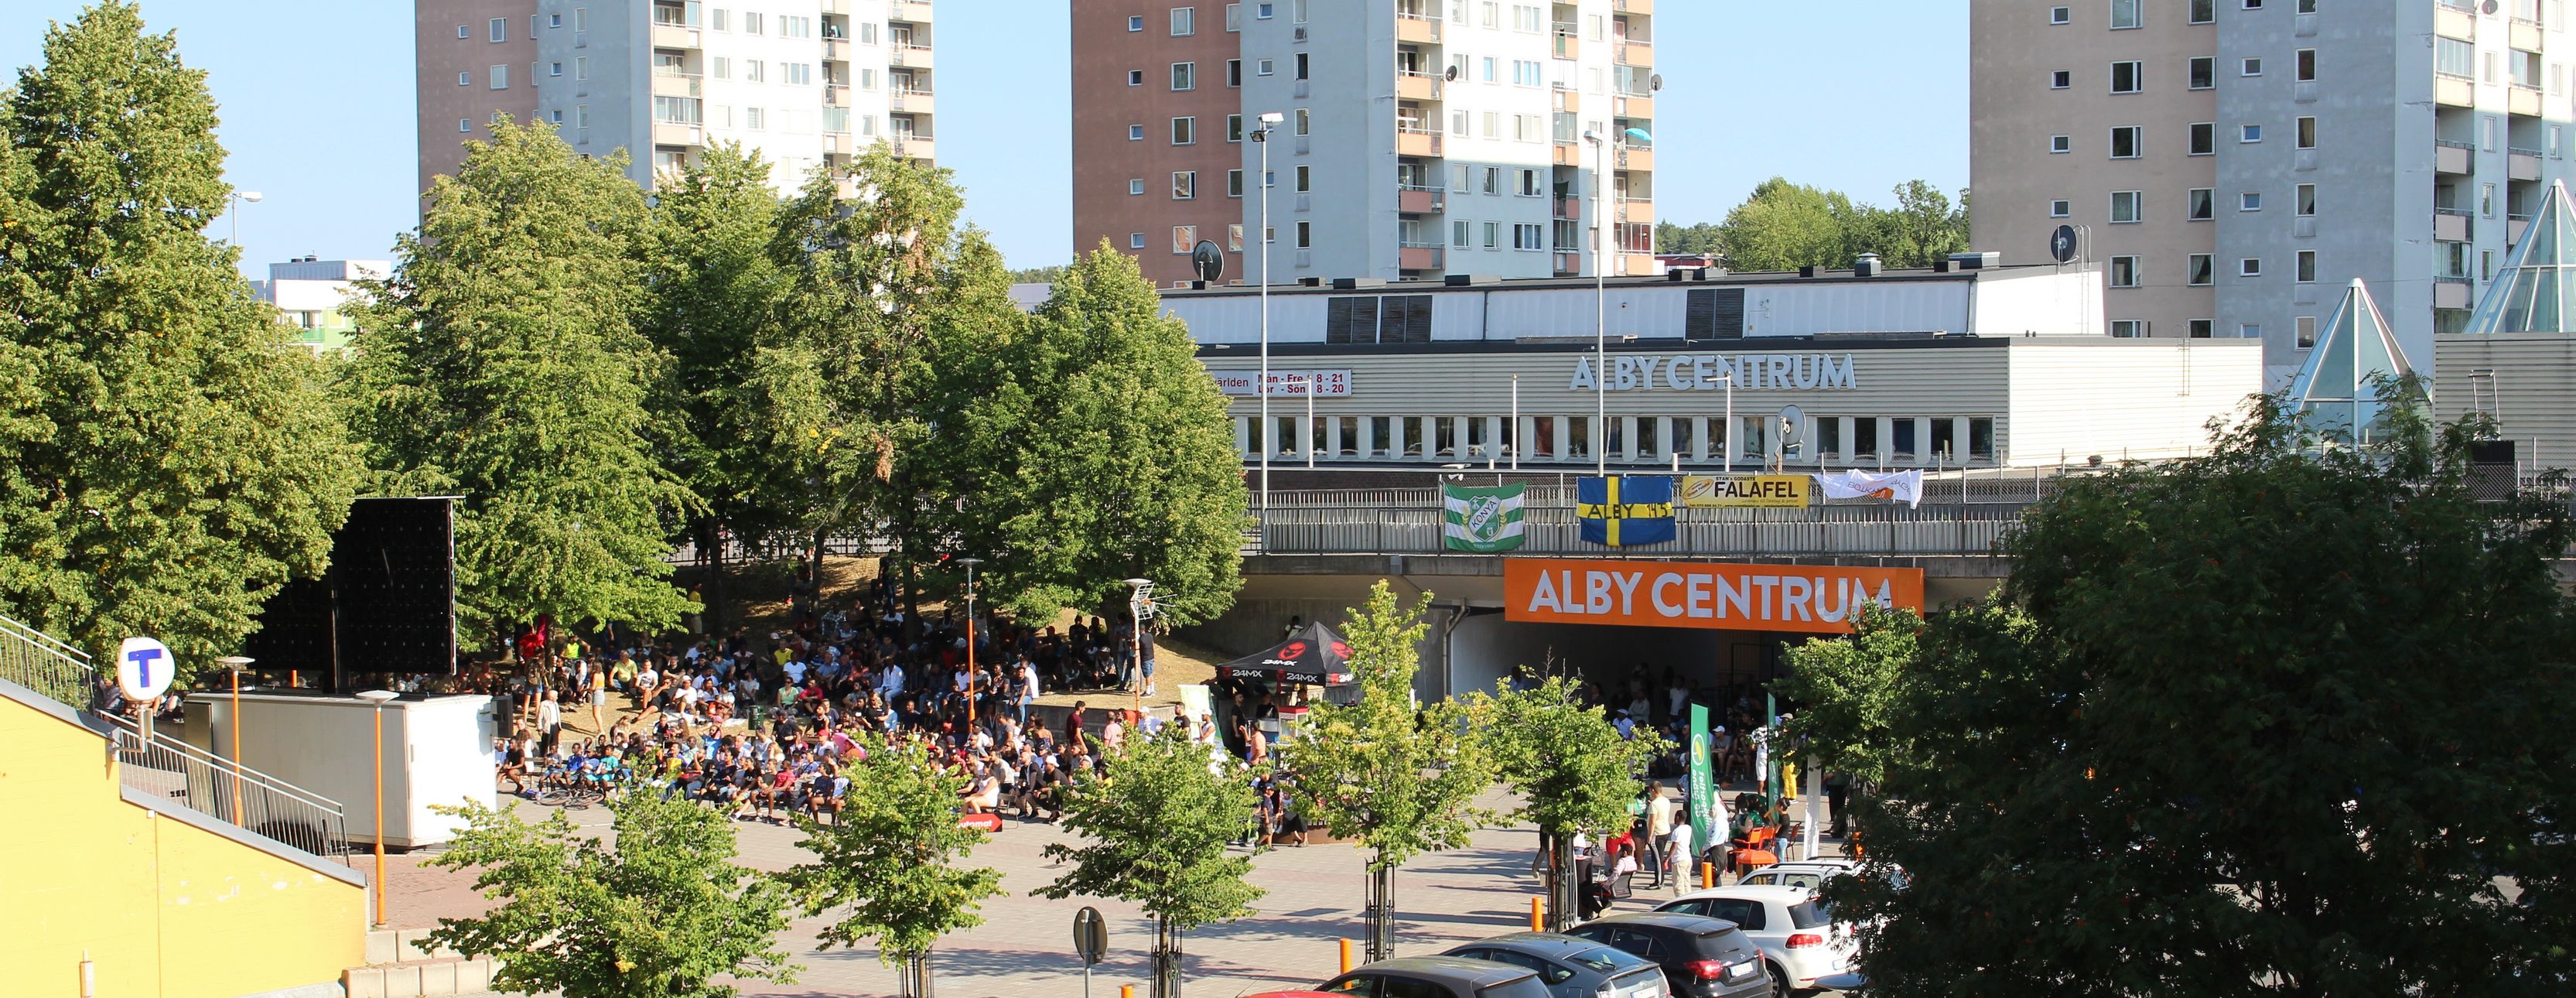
x: 1024, y: 948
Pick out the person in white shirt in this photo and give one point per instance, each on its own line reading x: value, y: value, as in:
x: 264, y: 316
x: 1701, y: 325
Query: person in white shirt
x: 891, y: 683
x: 1677, y: 848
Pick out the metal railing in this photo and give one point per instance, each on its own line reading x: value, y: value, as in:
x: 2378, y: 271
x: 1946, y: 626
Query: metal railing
x: 33, y: 659
x: 1948, y: 529
x: 172, y: 770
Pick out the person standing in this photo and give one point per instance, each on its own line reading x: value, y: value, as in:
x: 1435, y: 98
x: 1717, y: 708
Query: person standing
x: 549, y: 723
x: 1677, y: 844
x: 1659, y: 832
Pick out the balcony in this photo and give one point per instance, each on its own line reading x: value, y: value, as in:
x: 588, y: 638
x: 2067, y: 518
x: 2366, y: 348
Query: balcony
x: 909, y: 11
x: 1569, y: 44
x: 2450, y: 225
x: 1636, y: 54
x: 2455, y: 22
x: 1568, y: 264
x: 1412, y: 199
x: 1416, y: 141
x: 2452, y: 157
x: 2454, y: 91
x: 1635, y: 106
x: 2513, y: 227
x: 2451, y: 292
x: 908, y: 56
x: 674, y: 36
x: 1414, y: 84
x: 1633, y: 263
x: 914, y: 146
x: 913, y: 101
x: 1569, y: 154
x: 835, y: 95
x: 1566, y: 209
x: 1633, y: 6
x: 2522, y: 164
x: 677, y: 85
x: 1419, y: 29
x: 1418, y: 256
x: 2519, y: 99
x: 1639, y: 158
x: 2526, y: 35
x: 1638, y: 210
x: 1568, y: 100
x: 673, y: 133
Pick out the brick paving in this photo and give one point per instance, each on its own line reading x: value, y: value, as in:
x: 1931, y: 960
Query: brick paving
x: 1024, y: 948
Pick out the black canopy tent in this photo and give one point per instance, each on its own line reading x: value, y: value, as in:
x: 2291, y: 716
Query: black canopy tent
x: 1312, y: 655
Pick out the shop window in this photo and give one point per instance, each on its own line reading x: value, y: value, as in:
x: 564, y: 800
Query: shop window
x: 1865, y: 437
x: 1907, y: 444
x: 1412, y: 438
x: 1349, y: 444
x: 1285, y: 445
x: 1381, y: 436
x: 1981, y: 438
x: 1646, y: 434
x: 1542, y: 442
x: 1829, y: 436
x: 1617, y: 444
x: 1578, y: 438
x: 1945, y: 441
x: 1684, y: 432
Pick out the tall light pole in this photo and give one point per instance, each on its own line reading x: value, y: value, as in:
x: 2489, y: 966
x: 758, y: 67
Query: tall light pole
x: 238, y: 197
x: 234, y: 664
x: 1138, y: 600
x: 1600, y: 306
x: 377, y: 699
x: 970, y: 564
x: 1261, y: 137
x: 1311, y: 441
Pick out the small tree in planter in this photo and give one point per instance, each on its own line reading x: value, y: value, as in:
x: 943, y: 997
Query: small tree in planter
x: 885, y: 861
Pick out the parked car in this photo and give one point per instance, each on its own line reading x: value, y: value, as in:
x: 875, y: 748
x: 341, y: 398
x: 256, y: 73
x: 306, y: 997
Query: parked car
x: 1572, y: 966
x: 1437, y: 977
x: 1701, y: 957
x: 1798, y: 935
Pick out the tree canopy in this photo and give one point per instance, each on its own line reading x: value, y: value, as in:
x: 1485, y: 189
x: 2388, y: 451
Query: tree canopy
x: 1155, y: 833
x: 884, y: 861
x: 1785, y: 226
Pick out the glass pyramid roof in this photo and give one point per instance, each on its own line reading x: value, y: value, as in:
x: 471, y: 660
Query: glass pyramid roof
x: 2536, y: 292
x: 2334, y: 393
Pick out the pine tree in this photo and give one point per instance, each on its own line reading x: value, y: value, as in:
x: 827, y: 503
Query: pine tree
x: 501, y: 362
x: 168, y: 457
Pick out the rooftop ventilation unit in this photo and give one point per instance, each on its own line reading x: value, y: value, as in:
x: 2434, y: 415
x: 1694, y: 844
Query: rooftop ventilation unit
x: 1866, y: 266
x: 1976, y: 261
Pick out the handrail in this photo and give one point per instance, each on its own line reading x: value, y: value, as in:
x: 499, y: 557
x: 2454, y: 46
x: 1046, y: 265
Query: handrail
x: 35, y: 660
x: 169, y: 769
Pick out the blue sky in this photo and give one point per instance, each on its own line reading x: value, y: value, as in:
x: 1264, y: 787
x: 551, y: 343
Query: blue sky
x: 317, y: 108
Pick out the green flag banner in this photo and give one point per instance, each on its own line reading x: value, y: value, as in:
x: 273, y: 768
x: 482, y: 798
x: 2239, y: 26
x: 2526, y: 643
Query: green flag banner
x: 1703, y: 793
x: 1482, y: 519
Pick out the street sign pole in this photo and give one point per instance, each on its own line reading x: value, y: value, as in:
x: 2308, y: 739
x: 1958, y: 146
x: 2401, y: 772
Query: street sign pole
x: 1090, y: 942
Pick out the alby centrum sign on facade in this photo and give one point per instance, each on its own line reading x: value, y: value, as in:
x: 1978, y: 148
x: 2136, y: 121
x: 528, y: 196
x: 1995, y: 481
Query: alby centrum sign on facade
x: 1811, y: 599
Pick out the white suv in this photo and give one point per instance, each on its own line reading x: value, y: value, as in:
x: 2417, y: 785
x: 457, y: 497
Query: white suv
x: 1797, y: 935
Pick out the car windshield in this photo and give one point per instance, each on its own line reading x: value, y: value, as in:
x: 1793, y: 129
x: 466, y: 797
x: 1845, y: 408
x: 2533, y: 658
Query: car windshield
x: 1810, y: 914
x: 1607, y: 960
x: 1524, y: 987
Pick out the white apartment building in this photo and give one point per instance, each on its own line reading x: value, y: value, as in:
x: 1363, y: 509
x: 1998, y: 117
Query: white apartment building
x: 806, y: 83
x: 2236, y: 163
x: 311, y: 295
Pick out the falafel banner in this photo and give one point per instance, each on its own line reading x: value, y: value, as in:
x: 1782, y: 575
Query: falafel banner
x: 1789, y: 491
x: 1806, y: 599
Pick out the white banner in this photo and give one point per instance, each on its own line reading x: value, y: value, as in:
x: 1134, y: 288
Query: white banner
x: 1895, y: 486
x: 1327, y: 383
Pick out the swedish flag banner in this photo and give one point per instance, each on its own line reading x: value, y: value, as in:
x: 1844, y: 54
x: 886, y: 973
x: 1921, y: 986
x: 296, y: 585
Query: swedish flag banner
x: 1624, y: 511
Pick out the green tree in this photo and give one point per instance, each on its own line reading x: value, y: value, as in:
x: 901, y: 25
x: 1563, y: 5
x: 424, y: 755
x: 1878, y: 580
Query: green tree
x: 1848, y: 689
x: 712, y: 295
x: 1395, y: 780
x: 886, y: 861
x: 1785, y: 226
x: 1699, y: 238
x: 1570, y: 767
x: 1923, y: 226
x: 2265, y: 721
x: 1040, y: 275
x: 501, y: 362
x: 659, y: 915
x: 1112, y: 455
x: 1157, y: 828
x: 168, y: 458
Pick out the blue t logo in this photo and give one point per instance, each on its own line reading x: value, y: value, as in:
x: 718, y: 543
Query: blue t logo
x: 142, y: 659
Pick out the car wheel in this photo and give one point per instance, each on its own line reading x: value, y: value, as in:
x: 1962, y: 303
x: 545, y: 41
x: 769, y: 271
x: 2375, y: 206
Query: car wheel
x: 1779, y: 981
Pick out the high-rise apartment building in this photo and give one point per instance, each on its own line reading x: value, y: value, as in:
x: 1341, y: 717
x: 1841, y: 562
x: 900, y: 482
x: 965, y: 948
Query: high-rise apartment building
x: 806, y: 83
x: 1418, y: 138
x: 2235, y: 163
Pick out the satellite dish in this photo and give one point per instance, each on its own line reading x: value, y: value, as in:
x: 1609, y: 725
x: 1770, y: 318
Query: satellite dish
x: 1450, y: 74
x: 1655, y: 81
x: 1792, y: 420
x: 2490, y: 7
x: 2061, y: 244
x: 1208, y: 259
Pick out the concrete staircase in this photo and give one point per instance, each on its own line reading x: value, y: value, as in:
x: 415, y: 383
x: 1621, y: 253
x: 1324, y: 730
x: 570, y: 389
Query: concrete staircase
x: 401, y: 964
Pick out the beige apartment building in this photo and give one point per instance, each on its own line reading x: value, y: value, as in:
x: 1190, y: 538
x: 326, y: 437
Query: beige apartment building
x: 1417, y: 138
x: 2233, y: 164
x: 806, y: 83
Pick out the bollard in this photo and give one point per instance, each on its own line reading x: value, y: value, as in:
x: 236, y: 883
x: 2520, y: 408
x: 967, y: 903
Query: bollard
x: 1126, y: 991
x: 1538, y: 915
x: 1707, y: 875
x: 1346, y: 956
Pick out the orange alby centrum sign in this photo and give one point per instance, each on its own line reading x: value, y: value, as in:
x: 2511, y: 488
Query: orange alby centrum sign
x: 1813, y: 599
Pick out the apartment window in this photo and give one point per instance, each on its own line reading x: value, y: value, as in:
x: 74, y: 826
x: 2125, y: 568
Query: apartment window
x: 2249, y: 201
x: 1265, y: 67
x: 1529, y: 184
x: 1185, y: 185
x: 752, y: 118
x: 1136, y: 185
x: 2251, y: 266
x: 753, y: 24
x: 501, y: 77
x: 580, y: 112
x: 2455, y: 57
x: 2307, y: 332
x: 464, y: 79
x: 2252, y: 66
x: 2199, y: 270
x: 1185, y: 238
x: 2127, y: 77
x: 2199, y: 329
x: 464, y: 124
x: 2486, y: 265
x: 1301, y: 66
x: 1234, y: 183
x: 2486, y: 200
x: 1234, y: 72
x: 755, y: 71
x: 1184, y: 131
x: 1136, y: 240
x: 1462, y: 178
x: 1185, y: 21
x: 795, y: 27
x: 2306, y: 200
x: 554, y: 69
x: 2204, y: 11
x: 2307, y: 267
x: 1234, y: 128
x: 2526, y: 68
x: 2126, y: 14
x: 2127, y: 329
x: 2061, y: 80
x: 2124, y: 206
x: 2060, y: 208
x: 1529, y: 236
x: 2124, y: 142
x: 2061, y: 144
x: 464, y: 31
x: 581, y: 67
x: 720, y: 19
x: 2059, y: 15
x: 1264, y: 11
x: 2124, y: 271
x: 1305, y: 120
x: 2249, y: 133
x: 2203, y: 72
x: 1234, y: 237
x: 2198, y: 205
x: 1234, y: 22
x: 1461, y: 233
x: 1305, y: 178
x: 1305, y: 235
x: 1490, y: 74
x: 1135, y: 133
x: 500, y: 29
x: 1493, y: 121
x: 1493, y: 180
x: 1136, y: 23
x: 1135, y: 77
x: 2204, y: 138
x: 2253, y: 4
x: 2307, y: 133
x: 1185, y: 76
x: 797, y: 74
x: 2306, y: 66
x: 581, y: 19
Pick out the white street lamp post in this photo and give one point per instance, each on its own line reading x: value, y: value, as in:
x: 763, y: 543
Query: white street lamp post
x: 1261, y: 136
x: 239, y: 197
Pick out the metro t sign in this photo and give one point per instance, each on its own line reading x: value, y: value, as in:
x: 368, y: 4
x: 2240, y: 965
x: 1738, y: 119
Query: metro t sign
x: 1809, y: 599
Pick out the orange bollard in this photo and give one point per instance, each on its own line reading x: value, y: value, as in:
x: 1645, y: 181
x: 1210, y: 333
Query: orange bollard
x: 1346, y: 956
x: 1538, y: 915
x: 1707, y: 875
x: 1126, y: 991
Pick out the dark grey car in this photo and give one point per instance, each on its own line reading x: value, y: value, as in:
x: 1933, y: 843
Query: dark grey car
x: 1572, y: 966
x: 1437, y: 977
x: 1702, y: 957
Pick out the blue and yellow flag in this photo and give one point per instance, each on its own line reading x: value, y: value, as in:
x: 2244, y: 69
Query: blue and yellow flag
x: 1623, y: 511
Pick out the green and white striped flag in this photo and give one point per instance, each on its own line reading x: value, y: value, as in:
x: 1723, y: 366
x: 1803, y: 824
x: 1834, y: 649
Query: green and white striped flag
x: 1483, y: 519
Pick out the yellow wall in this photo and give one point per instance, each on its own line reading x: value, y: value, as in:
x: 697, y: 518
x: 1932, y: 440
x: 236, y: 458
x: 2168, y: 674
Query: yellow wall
x: 162, y: 907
